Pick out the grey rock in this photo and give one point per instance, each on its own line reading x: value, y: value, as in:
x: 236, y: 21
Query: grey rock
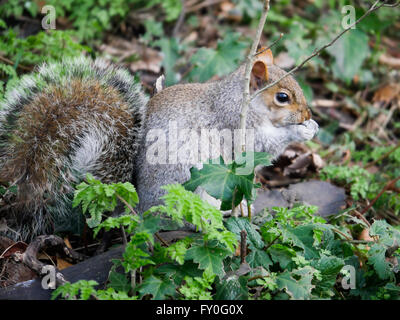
x: 328, y: 198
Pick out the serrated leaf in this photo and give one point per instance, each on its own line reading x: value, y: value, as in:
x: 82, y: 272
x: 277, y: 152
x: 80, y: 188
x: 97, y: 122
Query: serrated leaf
x: 233, y: 288
x: 179, y: 272
x: 297, y: 289
x: 303, y: 237
x: 258, y: 258
x: 220, y: 182
x: 330, y: 268
x: 159, y: 289
x: 236, y: 225
x: 282, y: 255
x: 119, y: 282
x: 377, y: 259
x: 208, y: 258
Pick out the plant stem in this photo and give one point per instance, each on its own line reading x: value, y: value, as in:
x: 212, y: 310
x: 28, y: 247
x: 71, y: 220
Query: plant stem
x: 246, y: 80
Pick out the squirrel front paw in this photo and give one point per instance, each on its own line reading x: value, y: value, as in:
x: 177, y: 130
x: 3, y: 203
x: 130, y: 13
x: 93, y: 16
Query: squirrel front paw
x: 307, y: 130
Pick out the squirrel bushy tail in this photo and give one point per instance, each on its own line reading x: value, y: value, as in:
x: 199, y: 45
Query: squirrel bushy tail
x: 69, y: 118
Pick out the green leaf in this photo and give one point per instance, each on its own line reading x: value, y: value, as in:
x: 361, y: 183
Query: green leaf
x: 282, y: 254
x: 329, y: 268
x: 377, y: 259
x: 179, y: 272
x: 220, y: 181
x: 233, y: 288
x: 170, y: 48
x: 257, y: 258
x: 350, y: 52
x: 208, y: 258
x: 303, y: 237
x: 224, y: 59
x: 297, y: 289
x: 159, y: 289
x: 236, y: 225
x: 119, y: 282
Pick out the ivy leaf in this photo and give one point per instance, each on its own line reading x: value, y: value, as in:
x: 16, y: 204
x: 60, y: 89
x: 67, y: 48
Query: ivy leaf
x: 303, y: 237
x: 119, y: 282
x: 297, y: 289
x: 179, y: 272
x: 236, y: 225
x: 329, y: 268
x: 158, y: 288
x: 350, y: 52
x: 221, y: 180
x: 209, y: 258
x: 377, y: 259
x: 282, y: 255
x: 257, y: 258
x: 220, y: 61
x: 233, y: 288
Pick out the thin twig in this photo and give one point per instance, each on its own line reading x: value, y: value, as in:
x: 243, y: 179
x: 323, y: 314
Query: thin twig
x: 370, y: 164
x: 243, y: 246
x: 12, y: 63
x: 272, y: 242
x: 246, y: 81
x: 161, y: 239
x: 203, y: 5
x: 126, y: 203
x: 180, y: 20
x: 270, y: 46
x: 317, y: 52
x: 387, y: 186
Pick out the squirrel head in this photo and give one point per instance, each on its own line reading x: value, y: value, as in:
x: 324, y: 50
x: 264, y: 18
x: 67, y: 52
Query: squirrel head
x: 284, y: 103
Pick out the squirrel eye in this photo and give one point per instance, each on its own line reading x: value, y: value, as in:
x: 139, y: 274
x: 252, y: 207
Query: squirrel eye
x: 281, y: 98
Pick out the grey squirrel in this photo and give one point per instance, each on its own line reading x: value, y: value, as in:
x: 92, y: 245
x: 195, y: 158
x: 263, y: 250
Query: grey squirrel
x: 81, y: 116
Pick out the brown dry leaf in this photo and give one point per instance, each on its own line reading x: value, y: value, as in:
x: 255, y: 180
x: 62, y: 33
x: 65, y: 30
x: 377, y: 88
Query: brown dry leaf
x: 390, y: 61
x: 62, y: 264
x: 387, y: 93
x: 364, y: 235
x: 228, y: 12
x: 149, y: 59
x: 237, y: 251
x: 67, y: 243
x: 296, y: 162
x: 12, y: 249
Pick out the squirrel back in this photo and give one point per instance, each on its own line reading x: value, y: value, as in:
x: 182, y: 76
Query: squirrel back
x: 70, y: 118
x: 80, y: 116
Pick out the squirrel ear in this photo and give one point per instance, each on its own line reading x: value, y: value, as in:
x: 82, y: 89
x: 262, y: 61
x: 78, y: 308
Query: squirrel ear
x: 265, y: 56
x: 259, y: 75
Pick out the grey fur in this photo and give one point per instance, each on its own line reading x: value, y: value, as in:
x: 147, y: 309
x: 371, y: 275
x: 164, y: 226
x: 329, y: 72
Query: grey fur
x: 212, y: 105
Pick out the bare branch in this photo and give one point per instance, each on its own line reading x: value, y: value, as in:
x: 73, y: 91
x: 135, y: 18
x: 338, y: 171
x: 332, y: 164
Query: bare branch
x: 373, y: 8
x: 246, y: 81
x: 270, y: 46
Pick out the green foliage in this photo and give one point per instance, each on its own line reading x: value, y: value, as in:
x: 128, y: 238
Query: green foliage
x: 357, y: 177
x: 231, y: 183
x: 85, y: 290
x: 209, y: 62
x: 198, y: 288
x: 98, y: 198
x: 293, y: 254
x: 34, y: 50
